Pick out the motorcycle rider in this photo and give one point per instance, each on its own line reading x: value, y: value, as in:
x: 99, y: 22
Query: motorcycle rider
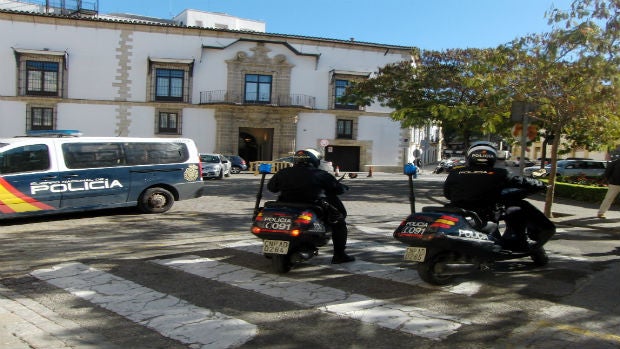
x: 306, y: 182
x: 478, y: 186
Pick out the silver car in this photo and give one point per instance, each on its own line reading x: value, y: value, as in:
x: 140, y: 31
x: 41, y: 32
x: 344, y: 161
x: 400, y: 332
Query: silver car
x: 570, y: 168
x: 214, y: 166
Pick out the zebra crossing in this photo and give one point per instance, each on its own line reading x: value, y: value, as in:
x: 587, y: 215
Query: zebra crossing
x: 201, y: 327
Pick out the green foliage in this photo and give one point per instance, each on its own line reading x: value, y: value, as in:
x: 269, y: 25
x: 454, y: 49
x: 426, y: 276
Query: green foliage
x: 585, y: 193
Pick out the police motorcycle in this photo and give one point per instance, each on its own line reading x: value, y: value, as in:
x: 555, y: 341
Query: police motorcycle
x: 449, y: 241
x: 291, y: 232
x: 447, y: 165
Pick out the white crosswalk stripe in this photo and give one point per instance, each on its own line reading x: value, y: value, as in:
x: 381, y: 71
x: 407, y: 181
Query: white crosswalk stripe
x: 413, y: 320
x: 168, y: 315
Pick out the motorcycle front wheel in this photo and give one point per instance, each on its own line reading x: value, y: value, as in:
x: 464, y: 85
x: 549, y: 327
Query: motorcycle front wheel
x: 430, y: 271
x: 281, y: 263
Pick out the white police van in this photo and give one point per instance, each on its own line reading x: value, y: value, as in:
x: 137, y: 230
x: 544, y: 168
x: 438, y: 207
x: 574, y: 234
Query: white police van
x: 59, y: 171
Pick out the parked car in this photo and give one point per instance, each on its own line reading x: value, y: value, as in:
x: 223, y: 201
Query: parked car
x: 237, y: 163
x: 214, y: 166
x: 590, y: 168
x: 515, y: 162
x: 536, y: 172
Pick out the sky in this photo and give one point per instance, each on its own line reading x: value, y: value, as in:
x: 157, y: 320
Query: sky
x: 426, y: 24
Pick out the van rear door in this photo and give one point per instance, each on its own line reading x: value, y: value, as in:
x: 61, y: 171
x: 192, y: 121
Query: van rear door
x: 27, y: 179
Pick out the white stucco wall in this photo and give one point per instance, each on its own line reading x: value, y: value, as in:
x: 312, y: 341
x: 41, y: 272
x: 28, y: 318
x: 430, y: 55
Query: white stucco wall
x: 12, y: 121
x: 311, y: 128
x: 385, y: 134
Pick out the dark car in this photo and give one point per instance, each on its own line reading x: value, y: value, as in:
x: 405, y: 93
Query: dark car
x: 238, y: 164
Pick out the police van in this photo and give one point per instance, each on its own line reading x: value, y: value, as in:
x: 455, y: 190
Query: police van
x: 59, y: 171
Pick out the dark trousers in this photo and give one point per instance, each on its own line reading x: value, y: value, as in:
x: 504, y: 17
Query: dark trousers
x: 339, y: 228
x: 523, y: 221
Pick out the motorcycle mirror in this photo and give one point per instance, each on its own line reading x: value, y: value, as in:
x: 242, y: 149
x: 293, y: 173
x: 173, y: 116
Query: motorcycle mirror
x: 264, y: 168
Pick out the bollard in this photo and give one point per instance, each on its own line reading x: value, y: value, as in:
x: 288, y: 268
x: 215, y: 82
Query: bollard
x: 369, y: 171
x: 337, y: 172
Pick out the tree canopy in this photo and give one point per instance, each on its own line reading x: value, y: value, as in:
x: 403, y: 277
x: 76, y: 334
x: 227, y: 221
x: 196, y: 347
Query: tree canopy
x: 571, y: 73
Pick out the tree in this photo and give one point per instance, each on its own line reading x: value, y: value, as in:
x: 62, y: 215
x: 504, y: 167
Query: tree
x: 572, y: 73
x: 454, y: 88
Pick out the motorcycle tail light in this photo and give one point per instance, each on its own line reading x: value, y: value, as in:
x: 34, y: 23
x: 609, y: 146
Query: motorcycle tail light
x: 295, y: 232
x: 256, y: 230
x: 259, y: 216
x: 304, y: 218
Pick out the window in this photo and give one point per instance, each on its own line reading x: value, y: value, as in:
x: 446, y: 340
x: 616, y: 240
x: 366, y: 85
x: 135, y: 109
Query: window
x: 344, y: 129
x: 339, y: 91
x: 41, y: 72
x: 169, y: 84
x: 168, y: 122
x: 41, y: 118
x: 28, y: 158
x: 258, y: 88
x: 170, y: 80
x: 96, y: 155
x: 41, y: 78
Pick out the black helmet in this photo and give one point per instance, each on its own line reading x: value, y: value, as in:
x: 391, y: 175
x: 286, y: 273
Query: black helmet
x: 307, y: 157
x: 482, y: 154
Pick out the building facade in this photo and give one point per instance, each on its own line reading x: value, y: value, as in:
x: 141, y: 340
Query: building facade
x: 251, y: 93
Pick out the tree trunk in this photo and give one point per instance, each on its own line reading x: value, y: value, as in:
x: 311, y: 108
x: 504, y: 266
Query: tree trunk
x: 554, y: 168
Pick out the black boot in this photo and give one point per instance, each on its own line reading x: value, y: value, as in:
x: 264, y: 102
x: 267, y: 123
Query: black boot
x: 342, y: 258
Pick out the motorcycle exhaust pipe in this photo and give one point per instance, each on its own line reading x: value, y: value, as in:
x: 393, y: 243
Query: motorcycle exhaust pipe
x: 455, y: 268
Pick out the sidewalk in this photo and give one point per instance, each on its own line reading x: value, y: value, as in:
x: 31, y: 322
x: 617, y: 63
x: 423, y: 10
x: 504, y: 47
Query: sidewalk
x: 566, y: 212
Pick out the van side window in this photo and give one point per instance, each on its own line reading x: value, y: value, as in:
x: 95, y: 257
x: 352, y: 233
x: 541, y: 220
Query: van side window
x: 92, y: 155
x: 29, y: 158
x: 96, y: 155
x: 155, y: 153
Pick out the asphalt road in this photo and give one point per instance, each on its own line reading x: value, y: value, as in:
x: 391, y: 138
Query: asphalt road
x: 194, y: 278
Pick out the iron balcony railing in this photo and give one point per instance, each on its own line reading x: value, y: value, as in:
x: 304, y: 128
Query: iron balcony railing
x: 227, y: 97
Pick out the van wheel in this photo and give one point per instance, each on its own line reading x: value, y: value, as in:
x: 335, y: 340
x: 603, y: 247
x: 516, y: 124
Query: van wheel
x: 155, y: 200
x: 235, y: 170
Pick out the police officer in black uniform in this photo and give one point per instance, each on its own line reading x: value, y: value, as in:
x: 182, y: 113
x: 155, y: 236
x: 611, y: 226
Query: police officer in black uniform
x: 305, y: 182
x: 478, y: 186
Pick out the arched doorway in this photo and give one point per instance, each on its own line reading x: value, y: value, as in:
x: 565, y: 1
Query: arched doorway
x: 256, y: 144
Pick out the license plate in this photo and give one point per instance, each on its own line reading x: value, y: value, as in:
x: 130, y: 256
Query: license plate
x: 275, y: 246
x: 415, y: 254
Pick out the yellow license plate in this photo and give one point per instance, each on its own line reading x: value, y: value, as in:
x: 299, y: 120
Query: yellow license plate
x: 275, y: 246
x: 416, y: 254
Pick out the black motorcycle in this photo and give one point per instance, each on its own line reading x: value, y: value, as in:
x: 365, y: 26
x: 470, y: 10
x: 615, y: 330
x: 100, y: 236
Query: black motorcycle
x: 449, y: 241
x: 291, y: 232
x: 448, y: 165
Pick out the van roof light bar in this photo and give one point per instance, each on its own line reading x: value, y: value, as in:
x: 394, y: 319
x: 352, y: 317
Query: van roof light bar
x: 53, y: 133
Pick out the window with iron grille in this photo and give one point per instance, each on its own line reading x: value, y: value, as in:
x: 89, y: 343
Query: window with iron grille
x: 168, y: 122
x: 41, y: 78
x: 344, y: 129
x: 41, y: 118
x: 340, y: 88
x: 169, y: 84
x: 40, y: 74
x: 258, y: 88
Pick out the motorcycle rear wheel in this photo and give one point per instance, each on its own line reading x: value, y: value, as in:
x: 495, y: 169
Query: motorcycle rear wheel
x: 281, y: 263
x: 430, y: 271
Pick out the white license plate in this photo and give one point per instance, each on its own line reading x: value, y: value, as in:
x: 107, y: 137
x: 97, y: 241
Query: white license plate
x: 275, y: 246
x: 415, y: 254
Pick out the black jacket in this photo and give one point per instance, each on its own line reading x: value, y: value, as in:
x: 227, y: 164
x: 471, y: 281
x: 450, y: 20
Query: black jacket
x: 475, y: 186
x: 304, y: 184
